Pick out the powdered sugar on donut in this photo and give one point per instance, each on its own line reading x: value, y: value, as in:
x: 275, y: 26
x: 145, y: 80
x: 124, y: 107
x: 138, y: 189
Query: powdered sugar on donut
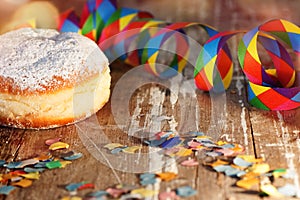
x: 39, y: 60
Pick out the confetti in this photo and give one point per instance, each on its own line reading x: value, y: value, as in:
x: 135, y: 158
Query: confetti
x: 75, y: 156
x: 167, y: 176
x: 64, y: 163
x: 147, y: 178
x: 144, y: 192
x: 6, y: 189
x: 34, y: 176
x: 260, y: 168
x: 53, y: 164
x: 185, y: 191
x: 49, y: 142
x: 168, y: 196
x: 33, y: 170
x: 112, y: 146
x: 247, y: 183
x: 74, y: 186
x: 241, y: 162
x: 24, y: 183
x: 2, y: 162
x: 71, y: 198
x: 270, y: 190
x: 190, y: 163
x: 115, y: 192
x: 131, y: 149
x: 86, y: 186
x: 171, y: 142
x: 58, y: 145
x: 25, y: 163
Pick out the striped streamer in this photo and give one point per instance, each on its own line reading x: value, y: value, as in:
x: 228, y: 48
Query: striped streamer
x: 268, y: 88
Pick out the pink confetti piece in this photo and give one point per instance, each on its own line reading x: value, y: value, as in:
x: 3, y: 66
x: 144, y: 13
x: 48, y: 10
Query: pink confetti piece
x: 190, y: 163
x: 226, y: 152
x: 52, y: 141
x: 114, y: 192
x: 168, y: 196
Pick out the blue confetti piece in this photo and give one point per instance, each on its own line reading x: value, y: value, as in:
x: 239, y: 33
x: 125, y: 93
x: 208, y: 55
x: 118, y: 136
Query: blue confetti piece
x: 288, y: 190
x: 227, y: 146
x: 117, y: 150
x: 2, y: 162
x: 232, y: 172
x: 241, y: 162
x: 33, y: 170
x: 170, y: 143
x: 6, y: 189
x: 98, y: 194
x: 40, y: 165
x: 156, y: 143
x: 221, y: 168
x: 147, y: 179
x: 13, y: 165
x: 185, y: 191
x: 73, y: 157
x: 147, y: 176
x: 74, y: 186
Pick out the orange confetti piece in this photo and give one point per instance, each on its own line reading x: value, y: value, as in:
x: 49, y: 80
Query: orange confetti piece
x: 167, y: 176
x: 24, y: 183
x: 247, y: 183
x: 58, y: 145
x: 219, y: 162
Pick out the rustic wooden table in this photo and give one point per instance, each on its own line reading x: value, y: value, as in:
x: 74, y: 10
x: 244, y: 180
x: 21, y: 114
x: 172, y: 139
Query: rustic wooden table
x: 273, y: 136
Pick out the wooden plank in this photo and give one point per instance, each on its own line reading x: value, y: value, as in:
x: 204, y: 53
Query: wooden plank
x: 277, y: 141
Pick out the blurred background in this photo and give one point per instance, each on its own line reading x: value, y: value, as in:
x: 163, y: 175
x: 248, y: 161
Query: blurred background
x: 223, y: 14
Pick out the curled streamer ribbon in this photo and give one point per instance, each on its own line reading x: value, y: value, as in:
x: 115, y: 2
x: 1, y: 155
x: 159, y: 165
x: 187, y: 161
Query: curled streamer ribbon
x: 268, y: 89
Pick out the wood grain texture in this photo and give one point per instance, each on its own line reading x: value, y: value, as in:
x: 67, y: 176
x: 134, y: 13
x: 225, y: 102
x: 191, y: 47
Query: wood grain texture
x: 154, y: 107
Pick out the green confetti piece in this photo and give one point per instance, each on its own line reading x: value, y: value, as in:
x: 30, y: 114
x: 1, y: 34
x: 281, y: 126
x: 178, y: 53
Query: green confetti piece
x: 53, y: 164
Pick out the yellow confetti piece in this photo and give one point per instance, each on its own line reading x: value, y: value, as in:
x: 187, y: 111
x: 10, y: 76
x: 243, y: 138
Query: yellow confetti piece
x: 247, y: 183
x: 167, y: 176
x: 24, y: 183
x: 144, y: 192
x: 131, y: 149
x: 71, y: 198
x: 270, y: 190
x: 34, y: 176
x: 218, y: 162
x: 220, y: 143
x: 260, y: 168
x: 184, y: 152
x: 112, y: 146
x: 58, y: 145
x: 251, y: 158
x: 64, y: 163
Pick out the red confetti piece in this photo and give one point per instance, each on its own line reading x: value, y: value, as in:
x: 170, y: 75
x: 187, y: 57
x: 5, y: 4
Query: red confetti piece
x: 52, y: 141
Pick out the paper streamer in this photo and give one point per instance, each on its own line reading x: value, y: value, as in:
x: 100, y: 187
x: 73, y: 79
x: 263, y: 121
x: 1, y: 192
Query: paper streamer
x: 268, y: 89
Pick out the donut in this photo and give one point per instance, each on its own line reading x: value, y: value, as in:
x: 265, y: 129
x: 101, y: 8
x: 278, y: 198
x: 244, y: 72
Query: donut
x: 50, y: 79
